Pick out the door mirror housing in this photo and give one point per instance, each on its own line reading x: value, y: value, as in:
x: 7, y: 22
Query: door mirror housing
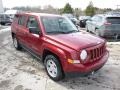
x: 34, y: 30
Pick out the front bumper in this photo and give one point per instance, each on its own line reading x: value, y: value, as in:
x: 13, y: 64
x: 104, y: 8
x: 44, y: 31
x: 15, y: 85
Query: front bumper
x: 88, y: 67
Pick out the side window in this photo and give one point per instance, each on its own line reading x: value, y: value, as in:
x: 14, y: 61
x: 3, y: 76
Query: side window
x: 99, y: 19
x: 32, y: 24
x: 22, y: 20
x: 94, y: 18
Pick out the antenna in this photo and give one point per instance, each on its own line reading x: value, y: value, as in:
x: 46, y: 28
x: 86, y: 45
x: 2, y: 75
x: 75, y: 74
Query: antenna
x: 1, y: 7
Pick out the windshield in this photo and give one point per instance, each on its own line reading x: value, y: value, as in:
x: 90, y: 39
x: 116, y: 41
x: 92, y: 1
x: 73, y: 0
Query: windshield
x: 58, y: 25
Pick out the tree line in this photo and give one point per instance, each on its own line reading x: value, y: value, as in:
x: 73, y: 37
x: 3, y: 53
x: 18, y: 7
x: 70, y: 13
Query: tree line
x: 90, y: 9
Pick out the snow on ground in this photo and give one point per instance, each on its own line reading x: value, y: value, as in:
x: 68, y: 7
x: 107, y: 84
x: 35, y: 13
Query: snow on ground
x: 21, y: 71
x: 5, y: 29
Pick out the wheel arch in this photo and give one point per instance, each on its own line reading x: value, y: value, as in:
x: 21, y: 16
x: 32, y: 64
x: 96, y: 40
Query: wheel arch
x: 13, y: 34
x: 52, y: 52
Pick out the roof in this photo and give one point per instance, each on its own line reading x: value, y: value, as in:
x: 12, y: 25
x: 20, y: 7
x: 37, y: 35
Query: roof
x: 11, y: 11
x: 40, y: 14
x: 108, y: 15
x: 112, y: 15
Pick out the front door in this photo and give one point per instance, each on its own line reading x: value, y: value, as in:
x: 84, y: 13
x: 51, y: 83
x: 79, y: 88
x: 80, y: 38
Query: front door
x: 34, y: 39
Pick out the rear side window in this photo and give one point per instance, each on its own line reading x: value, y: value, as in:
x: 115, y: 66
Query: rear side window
x: 94, y: 18
x: 114, y: 20
x: 22, y: 20
x: 15, y: 19
x: 97, y: 18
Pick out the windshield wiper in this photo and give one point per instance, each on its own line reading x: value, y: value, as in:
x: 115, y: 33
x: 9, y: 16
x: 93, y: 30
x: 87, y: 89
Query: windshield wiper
x: 72, y: 31
x: 63, y: 32
x: 57, y: 32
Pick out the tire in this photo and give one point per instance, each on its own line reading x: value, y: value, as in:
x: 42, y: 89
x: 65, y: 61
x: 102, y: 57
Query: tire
x: 87, y: 29
x: 2, y: 23
x: 80, y: 24
x: 16, y: 43
x: 53, y: 68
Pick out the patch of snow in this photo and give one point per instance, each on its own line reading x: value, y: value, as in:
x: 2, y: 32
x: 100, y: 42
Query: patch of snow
x: 5, y: 30
x: 113, y: 43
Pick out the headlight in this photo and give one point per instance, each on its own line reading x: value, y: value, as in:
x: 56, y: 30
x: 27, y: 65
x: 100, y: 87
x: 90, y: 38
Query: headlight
x: 83, y: 55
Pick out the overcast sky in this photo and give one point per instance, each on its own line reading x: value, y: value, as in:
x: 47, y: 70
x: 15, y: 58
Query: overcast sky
x: 60, y: 3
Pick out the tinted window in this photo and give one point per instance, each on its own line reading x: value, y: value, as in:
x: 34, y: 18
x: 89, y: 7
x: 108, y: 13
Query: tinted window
x: 114, y: 20
x: 32, y: 22
x: 22, y: 20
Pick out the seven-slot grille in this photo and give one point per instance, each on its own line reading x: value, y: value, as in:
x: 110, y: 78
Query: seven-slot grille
x: 96, y: 52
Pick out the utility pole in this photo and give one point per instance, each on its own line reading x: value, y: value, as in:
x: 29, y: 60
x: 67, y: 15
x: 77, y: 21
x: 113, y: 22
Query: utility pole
x: 118, y: 6
x: 1, y: 7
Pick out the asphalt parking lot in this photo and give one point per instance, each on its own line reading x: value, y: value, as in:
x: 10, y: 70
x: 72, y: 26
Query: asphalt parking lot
x: 21, y: 71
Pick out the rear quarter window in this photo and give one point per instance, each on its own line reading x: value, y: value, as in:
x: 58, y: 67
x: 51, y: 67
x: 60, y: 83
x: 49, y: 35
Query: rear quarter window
x: 114, y: 20
x: 22, y: 20
x: 15, y: 19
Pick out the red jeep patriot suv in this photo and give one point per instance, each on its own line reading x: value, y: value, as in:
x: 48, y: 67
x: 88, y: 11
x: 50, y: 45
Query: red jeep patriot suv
x: 58, y: 43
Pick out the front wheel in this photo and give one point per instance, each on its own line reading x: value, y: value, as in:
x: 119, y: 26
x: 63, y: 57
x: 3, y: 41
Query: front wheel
x: 16, y: 43
x: 53, y: 68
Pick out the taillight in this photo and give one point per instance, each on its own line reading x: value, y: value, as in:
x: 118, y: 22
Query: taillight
x: 107, y: 23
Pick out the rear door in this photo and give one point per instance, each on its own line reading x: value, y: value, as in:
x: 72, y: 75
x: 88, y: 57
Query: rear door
x: 91, y: 23
x: 1, y: 18
x: 94, y: 23
x: 22, y: 30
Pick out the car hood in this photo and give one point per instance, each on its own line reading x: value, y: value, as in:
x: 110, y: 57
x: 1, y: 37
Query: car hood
x: 76, y: 41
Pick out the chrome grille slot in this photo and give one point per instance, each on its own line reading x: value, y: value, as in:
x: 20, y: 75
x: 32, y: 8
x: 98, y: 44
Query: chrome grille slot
x: 96, y: 52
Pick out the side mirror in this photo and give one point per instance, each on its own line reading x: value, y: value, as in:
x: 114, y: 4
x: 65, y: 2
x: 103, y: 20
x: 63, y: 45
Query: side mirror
x: 34, y: 30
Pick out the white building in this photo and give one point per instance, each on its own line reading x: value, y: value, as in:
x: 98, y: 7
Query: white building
x: 1, y: 7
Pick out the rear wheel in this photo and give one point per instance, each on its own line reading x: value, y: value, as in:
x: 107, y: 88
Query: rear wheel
x: 87, y: 29
x: 16, y: 43
x: 53, y: 68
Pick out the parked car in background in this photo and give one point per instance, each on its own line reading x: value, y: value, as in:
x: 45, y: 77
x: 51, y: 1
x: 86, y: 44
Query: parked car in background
x: 72, y: 18
x: 82, y: 20
x: 11, y: 13
x: 113, y: 13
x: 59, y: 44
x: 5, y: 19
x: 106, y: 25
